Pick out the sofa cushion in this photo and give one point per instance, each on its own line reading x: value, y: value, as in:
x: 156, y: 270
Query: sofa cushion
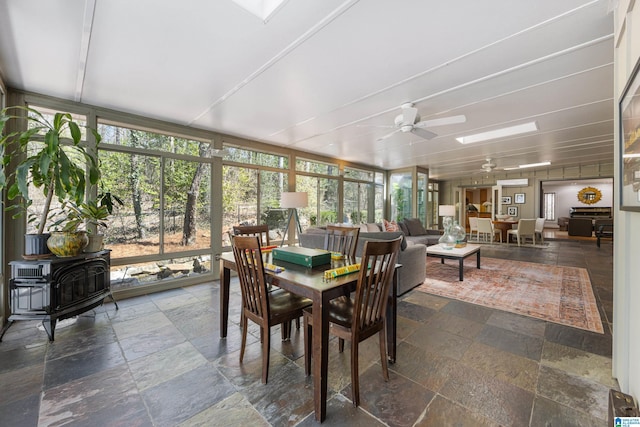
x: 384, y: 235
x: 403, y: 228
x: 414, y: 227
x: 373, y: 227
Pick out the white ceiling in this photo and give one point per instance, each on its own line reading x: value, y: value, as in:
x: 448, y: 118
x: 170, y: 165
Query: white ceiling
x: 321, y: 74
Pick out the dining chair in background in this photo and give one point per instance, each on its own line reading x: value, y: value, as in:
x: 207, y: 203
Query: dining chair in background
x: 356, y: 319
x: 485, y: 227
x: 473, y: 227
x: 261, y: 231
x: 540, y: 229
x: 526, y: 228
x: 265, y: 308
x: 342, y: 239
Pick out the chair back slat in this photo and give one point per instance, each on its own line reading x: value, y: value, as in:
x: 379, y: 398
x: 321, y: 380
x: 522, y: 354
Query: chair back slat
x: 342, y: 239
x: 253, y: 284
x: 262, y: 231
x: 374, y: 281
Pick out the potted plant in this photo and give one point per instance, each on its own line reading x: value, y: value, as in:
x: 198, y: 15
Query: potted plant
x: 94, y: 214
x: 59, y: 166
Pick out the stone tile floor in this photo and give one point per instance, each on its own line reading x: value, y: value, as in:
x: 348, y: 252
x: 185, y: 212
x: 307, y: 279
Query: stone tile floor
x: 159, y: 361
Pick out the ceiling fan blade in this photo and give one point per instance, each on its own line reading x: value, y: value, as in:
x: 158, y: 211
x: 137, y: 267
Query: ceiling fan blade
x: 409, y: 115
x: 451, y: 120
x: 423, y: 133
x: 387, y: 135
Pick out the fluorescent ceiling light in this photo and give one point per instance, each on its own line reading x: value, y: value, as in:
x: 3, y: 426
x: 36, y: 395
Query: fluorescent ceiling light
x: 263, y: 9
x: 530, y: 165
x: 499, y: 133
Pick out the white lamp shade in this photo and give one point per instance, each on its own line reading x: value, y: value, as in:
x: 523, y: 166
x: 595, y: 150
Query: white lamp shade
x: 294, y: 200
x: 447, y: 210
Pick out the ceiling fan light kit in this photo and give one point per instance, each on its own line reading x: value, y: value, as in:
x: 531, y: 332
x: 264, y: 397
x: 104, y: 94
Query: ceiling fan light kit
x: 409, y: 121
x: 499, y: 133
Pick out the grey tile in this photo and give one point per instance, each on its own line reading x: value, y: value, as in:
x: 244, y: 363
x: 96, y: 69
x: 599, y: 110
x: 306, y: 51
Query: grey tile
x: 513, y: 342
x: 496, y: 400
x: 501, y: 365
x: 549, y: 413
x: 440, y: 342
x: 577, y: 338
x: 76, y: 400
x: 578, y: 362
x: 468, y: 311
x: 443, y: 412
x: 397, y: 402
x: 574, y: 391
x: 82, y: 364
x: 180, y: 398
x: 235, y: 410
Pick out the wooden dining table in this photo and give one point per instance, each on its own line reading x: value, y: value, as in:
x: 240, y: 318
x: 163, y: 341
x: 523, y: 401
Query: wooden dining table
x: 504, y: 226
x: 311, y: 283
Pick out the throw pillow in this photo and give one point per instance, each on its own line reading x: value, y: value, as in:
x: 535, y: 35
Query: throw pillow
x: 415, y: 227
x: 390, y: 225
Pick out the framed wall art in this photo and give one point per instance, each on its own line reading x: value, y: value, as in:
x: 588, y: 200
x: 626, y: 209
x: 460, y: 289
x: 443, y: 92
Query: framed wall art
x: 506, y: 200
x: 512, y: 210
x: 630, y: 143
x: 518, y: 198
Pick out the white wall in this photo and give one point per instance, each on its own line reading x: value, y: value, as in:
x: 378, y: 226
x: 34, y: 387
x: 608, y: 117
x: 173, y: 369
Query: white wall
x: 626, y: 268
x: 567, y: 195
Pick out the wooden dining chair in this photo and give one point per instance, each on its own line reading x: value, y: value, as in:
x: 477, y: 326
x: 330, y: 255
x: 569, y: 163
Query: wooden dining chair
x: 365, y: 315
x: 261, y: 231
x: 342, y: 239
x: 265, y: 308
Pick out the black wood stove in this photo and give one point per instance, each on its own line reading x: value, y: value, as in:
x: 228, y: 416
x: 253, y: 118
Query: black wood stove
x: 55, y: 288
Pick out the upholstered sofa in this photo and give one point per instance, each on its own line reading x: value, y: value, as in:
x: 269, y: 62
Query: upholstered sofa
x: 415, y: 232
x: 412, y: 256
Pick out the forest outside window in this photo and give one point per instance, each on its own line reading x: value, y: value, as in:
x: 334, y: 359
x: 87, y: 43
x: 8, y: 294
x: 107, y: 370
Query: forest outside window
x: 165, y: 223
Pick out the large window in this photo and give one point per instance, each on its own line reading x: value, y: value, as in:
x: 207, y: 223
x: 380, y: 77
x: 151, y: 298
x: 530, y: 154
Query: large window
x: 163, y: 230
x: 357, y: 192
x: 401, y: 194
x: 549, y: 206
x: 251, y: 187
x: 320, y: 181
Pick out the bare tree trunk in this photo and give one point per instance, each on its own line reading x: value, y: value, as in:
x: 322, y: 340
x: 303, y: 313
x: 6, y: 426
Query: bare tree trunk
x: 190, y: 212
x: 136, y: 194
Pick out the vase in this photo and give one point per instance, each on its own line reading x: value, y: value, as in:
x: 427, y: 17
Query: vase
x: 458, y: 232
x: 447, y: 240
x: 67, y: 243
x: 35, y: 245
x: 96, y: 243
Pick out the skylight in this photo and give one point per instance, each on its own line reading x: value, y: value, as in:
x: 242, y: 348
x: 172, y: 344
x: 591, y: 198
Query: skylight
x: 263, y: 9
x: 498, y: 133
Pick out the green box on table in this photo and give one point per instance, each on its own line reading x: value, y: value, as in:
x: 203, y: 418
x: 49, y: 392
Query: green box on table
x: 302, y: 256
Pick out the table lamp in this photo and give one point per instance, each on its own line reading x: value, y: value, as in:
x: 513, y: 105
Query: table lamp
x: 447, y: 240
x: 447, y: 212
x: 292, y: 201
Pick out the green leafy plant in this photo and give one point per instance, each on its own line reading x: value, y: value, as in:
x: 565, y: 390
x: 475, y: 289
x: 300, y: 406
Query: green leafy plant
x: 92, y: 212
x: 60, y: 167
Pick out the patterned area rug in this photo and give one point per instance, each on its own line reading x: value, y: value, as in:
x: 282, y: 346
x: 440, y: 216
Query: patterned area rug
x: 552, y: 293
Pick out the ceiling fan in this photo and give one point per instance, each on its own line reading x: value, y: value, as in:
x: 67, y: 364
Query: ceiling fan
x: 409, y: 121
x: 489, y: 166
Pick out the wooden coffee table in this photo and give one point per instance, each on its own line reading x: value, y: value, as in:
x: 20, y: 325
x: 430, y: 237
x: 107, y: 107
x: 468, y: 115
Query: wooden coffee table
x: 459, y: 254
